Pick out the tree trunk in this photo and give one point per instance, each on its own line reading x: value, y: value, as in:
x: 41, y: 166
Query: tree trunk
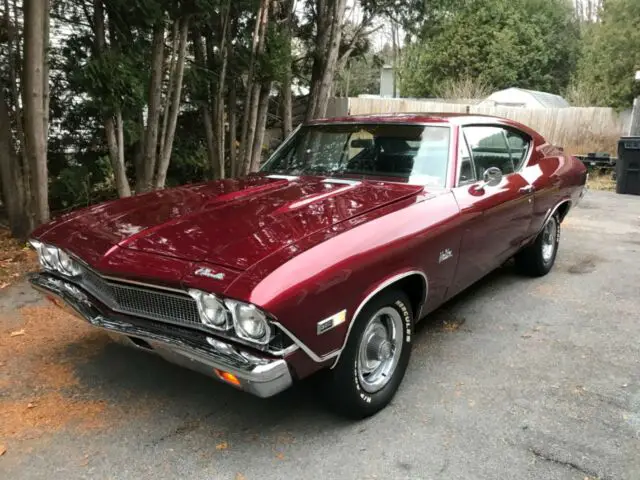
x: 115, y: 143
x: 13, y: 194
x: 35, y: 16
x: 218, y: 102
x: 324, y: 90
x: 153, y: 117
x: 211, y: 143
x: 261, y: 122
x: 287, y: 106
x: 201, y: 63
x: 285, y: 88
x: 45, y: 75
x: 172, y: 69
x: 163, y: 166
x: 233, y: 140
x: 246, y: 137
x: 138, y: 159
x: 251, y: 117
x: 113, y: 130
x: 15, y: 102
x: 323, y: 29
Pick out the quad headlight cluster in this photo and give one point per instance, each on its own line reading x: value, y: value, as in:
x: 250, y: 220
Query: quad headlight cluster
x: 249, y: 322
x: 55, y: 259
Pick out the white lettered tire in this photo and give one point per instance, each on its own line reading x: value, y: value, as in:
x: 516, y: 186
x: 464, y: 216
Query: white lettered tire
x: 375, y: 358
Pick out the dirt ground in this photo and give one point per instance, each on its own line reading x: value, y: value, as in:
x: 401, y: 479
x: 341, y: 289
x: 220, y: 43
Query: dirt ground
x: 516, y: 378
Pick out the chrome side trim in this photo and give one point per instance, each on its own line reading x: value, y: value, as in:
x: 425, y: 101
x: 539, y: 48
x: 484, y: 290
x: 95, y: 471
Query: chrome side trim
x: 552, y: 211
x: 313, y: 355
x: 381, y: 286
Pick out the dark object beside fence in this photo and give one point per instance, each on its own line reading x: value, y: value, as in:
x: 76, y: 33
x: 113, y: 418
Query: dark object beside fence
x: 628, y: 166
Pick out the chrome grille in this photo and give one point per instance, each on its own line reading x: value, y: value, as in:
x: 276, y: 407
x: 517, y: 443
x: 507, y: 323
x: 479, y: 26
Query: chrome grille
x: 141, y: 301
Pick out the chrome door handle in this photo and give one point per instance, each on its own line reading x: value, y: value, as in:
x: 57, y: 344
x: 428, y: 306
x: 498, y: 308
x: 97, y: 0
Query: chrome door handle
x: 527, y: 189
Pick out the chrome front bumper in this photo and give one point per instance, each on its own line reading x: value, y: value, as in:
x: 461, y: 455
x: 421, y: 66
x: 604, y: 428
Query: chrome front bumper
x: 259, y: 375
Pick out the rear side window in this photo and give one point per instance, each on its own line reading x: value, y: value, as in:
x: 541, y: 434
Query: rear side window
x: 499, y: 147
x: 489, y: 148
x: 518, y: 147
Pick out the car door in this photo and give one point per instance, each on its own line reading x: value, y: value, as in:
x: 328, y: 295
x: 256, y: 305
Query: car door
x: 495, y: 219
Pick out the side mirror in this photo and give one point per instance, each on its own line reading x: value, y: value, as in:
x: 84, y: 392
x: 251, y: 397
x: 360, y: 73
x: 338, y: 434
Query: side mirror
x: 491, y: 177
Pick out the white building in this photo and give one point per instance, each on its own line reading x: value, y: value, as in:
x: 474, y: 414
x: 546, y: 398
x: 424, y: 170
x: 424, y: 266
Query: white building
x: 519, y: 97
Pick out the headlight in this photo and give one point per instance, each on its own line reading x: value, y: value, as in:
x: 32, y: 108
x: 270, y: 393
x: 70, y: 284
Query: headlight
x: 212, y: 311
x: 68, y: 266
x: 249, y: 322
x: 49, y: 257
x: 53, y: 259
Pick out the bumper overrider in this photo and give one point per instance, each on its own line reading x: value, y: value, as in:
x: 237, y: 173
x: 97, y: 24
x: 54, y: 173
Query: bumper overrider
x: 262, y: 376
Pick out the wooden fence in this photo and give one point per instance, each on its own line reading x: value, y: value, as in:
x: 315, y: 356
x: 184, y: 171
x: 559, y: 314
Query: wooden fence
x: 577, y: 129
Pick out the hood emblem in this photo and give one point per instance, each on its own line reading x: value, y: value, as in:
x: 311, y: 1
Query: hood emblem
x: 444, y: 255
x: 207, y: 272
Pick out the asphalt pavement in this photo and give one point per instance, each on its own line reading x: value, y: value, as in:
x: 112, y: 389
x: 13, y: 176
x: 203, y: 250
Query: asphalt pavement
x: 516, y: 378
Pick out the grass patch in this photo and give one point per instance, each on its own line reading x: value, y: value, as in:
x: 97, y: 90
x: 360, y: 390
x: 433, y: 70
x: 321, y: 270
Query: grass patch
x: 601, y: 181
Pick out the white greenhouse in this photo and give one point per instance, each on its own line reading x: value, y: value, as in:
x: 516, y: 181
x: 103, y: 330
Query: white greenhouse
x: 519, y: 97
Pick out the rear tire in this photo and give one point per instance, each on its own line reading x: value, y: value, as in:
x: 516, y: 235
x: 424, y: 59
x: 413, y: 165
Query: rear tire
x: 375, y: 358
x: 538, y: 258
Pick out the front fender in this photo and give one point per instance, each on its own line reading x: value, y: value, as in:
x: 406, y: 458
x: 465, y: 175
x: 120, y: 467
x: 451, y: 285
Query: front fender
x: 339, y: 268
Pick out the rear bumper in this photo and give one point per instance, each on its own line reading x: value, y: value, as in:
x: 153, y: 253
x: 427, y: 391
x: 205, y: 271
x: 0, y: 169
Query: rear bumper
x: 260, y: 375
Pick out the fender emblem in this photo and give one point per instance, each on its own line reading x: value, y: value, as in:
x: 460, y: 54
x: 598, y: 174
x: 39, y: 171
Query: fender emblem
x: 331, y: 322
x: 207, y: 272
x: 444, y: 255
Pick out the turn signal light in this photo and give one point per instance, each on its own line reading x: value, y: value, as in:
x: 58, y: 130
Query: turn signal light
x: 227, y: 377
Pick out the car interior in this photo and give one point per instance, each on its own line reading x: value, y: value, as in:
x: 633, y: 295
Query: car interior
x: 398, y: 157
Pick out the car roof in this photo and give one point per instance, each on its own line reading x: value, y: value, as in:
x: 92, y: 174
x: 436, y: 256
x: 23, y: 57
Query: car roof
x: 460, y: 119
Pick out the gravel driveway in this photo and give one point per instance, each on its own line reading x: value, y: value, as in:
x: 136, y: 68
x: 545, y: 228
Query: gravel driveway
x: 514, y: 379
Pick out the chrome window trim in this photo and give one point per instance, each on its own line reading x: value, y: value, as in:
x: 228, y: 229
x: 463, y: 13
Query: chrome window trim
x: 279, y: 148
x: 504, y: 128
x: 441, y: 124
x: 381, y: 286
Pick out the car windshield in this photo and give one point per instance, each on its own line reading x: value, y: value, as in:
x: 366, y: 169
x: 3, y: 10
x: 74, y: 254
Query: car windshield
x: 412, y: 153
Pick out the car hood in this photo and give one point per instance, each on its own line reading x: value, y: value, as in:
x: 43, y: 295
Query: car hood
x: 233, y: 223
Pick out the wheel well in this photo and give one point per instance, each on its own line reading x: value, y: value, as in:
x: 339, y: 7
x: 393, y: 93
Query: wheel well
x: 415, y: 287
x: 563, y: 209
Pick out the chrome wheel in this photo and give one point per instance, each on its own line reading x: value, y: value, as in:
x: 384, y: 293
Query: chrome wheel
x: 549, y: 240
x: 380, y: 349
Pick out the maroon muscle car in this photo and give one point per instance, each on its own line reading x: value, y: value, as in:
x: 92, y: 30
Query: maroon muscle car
x: 352, y: 231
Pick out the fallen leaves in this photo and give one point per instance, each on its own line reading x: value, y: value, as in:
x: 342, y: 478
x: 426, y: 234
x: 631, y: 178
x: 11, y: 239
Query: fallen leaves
x: 15, y: 259
x: 222, y: 446
x: 38, y: 373
x: 3, y: 450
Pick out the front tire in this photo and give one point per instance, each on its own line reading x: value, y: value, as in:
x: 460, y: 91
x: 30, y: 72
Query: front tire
x: 374, y: 361
x: 538, y: 258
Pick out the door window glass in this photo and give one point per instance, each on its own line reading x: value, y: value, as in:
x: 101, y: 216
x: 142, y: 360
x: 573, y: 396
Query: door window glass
x: 489, y: 148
